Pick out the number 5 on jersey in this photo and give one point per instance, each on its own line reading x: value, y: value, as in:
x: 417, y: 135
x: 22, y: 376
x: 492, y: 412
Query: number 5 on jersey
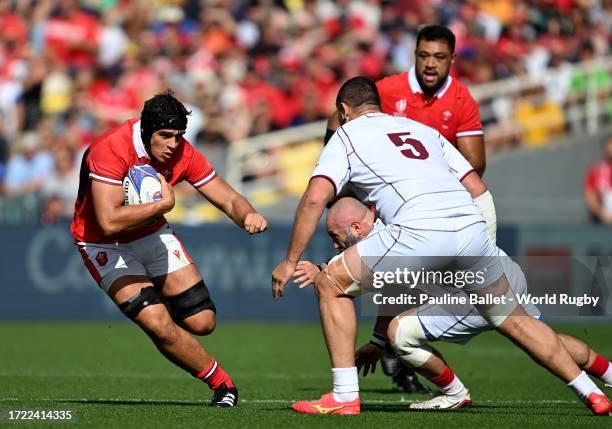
x: 411, y: 148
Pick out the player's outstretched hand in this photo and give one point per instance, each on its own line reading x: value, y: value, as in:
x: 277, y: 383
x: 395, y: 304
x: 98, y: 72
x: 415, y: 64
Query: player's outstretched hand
x: 254, y: 223
x: 305, y: 271
x: 366, y: 357
x: 167, y: 199
x: 280, y: 276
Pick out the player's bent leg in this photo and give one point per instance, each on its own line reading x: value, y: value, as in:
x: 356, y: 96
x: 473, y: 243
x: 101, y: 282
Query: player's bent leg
x: 588, y: 359
x: 193, y: 309
x: 339, y: 323
x: 188, y: 300
x: 336, y: 307
x: 407, y: 338
x: 146, y: 309
x: 138, y: 300
x: 542, y: 344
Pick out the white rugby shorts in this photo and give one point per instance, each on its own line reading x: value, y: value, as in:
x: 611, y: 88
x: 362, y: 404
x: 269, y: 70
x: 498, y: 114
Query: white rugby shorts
x: 155, y: 255
x: 395, y: 247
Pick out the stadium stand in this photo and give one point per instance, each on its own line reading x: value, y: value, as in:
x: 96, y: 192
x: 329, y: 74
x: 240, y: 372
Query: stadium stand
x: 69, y: 69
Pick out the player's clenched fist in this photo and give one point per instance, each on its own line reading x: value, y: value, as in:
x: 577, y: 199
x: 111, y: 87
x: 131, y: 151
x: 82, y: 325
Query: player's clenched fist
x: 254, y: 223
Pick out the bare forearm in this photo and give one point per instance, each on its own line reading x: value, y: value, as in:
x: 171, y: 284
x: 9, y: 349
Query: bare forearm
x: 474, y: 185
x: 238, y: 209
x: 125, y: 218
x: 382, y: 323
x: 306, y: 219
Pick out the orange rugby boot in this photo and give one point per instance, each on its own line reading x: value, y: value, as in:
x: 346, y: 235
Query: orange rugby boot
x: 327, y: 405
x: 599, y: 404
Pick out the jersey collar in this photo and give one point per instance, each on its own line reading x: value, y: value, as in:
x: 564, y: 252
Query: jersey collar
x: 413, y: 83
x: 137, y: 141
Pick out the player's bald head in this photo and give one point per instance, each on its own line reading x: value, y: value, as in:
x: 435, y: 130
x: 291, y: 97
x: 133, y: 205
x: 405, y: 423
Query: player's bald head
x: 346, y: 211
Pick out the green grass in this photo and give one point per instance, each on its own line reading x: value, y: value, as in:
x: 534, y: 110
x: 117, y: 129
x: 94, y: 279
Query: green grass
x: 111, y: 376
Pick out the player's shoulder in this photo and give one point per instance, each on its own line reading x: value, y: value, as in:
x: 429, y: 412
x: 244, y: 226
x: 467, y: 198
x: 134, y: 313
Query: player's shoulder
x: 392, y: 82
x: 459, y: 90
x: 598, y: 168
x: 116, y: 136
x: 115, y: 142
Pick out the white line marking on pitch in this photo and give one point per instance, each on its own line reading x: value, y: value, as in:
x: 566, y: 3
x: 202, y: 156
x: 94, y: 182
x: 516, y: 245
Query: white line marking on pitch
x: 157, y: 376
x: 271, y: 401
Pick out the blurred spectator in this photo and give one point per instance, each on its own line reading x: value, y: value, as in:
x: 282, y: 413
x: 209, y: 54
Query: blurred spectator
x: 538, y: 117
x: 28, y: 168
x: 63, y: 184
x: 247, y: 68
x: 4, y: 152
x: 598, y: 187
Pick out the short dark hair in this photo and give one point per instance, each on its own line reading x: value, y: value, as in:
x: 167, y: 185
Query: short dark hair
x: 434, y: 32
x: 358, y: 91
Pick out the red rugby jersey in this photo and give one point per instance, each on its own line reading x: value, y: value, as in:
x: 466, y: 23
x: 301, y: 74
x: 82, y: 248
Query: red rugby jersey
x: 452, y: 111
x: 108, y: 160
x: 599, y: 177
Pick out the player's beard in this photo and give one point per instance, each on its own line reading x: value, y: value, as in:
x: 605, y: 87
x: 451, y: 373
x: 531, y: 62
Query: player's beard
x: 431, y: 90
x: 350, y: 239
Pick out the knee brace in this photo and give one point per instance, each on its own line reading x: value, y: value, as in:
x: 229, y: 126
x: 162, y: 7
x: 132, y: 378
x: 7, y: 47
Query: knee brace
x: 408, y: 342
x: 190, y: 302
x: 145, y: 297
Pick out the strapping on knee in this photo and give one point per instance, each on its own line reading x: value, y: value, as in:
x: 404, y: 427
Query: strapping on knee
x: 408, y: 343
x: 145, y: 297
x: 338, y: 274
x: 190, y: 302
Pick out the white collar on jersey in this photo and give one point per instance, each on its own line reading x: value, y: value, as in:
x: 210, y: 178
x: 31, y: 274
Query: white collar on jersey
x: 413, y: 83
x: 137, y: 141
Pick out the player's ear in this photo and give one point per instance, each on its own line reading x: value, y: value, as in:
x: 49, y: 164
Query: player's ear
x: 341, y: 116
x: 343, y: 112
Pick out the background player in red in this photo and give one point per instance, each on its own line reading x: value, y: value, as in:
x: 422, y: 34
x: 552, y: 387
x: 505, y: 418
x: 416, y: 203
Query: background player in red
x: 598, y: 187
x: 132, y: 252
x: 427, y: 93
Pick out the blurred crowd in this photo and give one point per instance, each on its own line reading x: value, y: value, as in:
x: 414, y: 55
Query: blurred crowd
x: 71, y: 69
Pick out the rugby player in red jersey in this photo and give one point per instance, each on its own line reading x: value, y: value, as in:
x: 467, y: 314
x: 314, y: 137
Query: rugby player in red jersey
x: 427, y: 93
x: 131, y: 251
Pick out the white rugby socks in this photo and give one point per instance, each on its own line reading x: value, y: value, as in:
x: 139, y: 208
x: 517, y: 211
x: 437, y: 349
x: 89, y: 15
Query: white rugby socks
x: 583, y: 386
x: 346, y: 384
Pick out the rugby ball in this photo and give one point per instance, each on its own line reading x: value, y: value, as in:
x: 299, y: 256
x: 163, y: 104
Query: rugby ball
x: 141, y: 185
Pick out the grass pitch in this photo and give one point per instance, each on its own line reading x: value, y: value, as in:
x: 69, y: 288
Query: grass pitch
x: 111, y: 376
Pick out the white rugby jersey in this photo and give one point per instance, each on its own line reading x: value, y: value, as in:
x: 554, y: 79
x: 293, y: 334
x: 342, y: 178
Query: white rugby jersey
x: 408, y: 170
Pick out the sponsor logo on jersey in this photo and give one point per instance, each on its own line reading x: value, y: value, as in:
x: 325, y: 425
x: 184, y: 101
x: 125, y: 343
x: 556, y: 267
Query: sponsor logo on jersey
x: 102, y: 258
x: 177, y: 253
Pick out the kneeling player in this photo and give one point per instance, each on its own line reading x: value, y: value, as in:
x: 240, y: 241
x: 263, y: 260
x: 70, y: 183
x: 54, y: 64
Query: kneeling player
x: 348, y: 222
x: 132, y: 252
